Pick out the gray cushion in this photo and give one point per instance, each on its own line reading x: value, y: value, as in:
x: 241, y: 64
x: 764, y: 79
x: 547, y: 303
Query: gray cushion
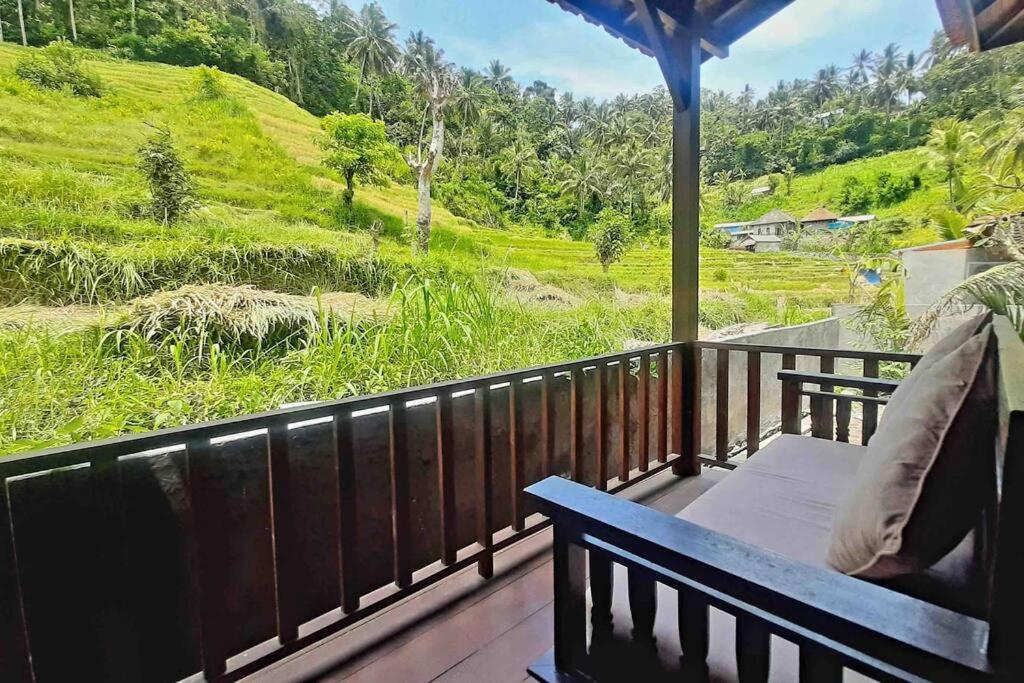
x: 923, y: 482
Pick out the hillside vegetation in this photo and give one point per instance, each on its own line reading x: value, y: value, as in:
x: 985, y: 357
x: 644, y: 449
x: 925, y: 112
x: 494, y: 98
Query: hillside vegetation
x: 101, y: 333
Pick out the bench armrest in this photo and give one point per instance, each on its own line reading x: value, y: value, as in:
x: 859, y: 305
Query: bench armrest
x: 867, y: 627
x: 847, y: 381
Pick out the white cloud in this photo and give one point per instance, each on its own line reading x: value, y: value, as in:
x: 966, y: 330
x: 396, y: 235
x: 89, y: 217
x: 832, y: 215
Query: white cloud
x: 806, y: 21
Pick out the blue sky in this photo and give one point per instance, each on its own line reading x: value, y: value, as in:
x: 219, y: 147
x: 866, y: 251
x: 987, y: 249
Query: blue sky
x: 537, y: 40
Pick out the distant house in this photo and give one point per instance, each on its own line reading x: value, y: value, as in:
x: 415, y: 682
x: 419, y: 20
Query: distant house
x: 850, y: 221
x: 819, y: 219
x: 734, y: 228
x: 758, y: 243
x: 776, y: 222
x: 762, y: 191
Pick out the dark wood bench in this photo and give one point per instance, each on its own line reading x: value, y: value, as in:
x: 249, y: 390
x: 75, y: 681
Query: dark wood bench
x: 709, y: 558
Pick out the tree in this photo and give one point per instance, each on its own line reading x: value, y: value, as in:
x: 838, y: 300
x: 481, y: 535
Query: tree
x: 610, y: 237
x: 518, y: 160
x: 357, y: 147
x: 498, y: 76
x: 1003, y: 140
x: 582, y: 179
x: 949, y: 145
x: 436, y: 83
x: 373, y: 45
x: 71, y: 20
x: 21, y: 23
x: 171, y: 187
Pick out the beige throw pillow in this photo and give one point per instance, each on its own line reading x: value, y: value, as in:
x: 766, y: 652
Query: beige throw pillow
x: 923, y: 481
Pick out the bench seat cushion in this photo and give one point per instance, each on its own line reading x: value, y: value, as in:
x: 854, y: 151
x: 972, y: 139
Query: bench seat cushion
x: 783, y: 498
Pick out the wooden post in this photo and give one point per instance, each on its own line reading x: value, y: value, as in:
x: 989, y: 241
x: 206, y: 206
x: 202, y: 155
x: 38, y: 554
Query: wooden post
x: 679, y: 57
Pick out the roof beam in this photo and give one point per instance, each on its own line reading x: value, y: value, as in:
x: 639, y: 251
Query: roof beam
x: 666, y: 51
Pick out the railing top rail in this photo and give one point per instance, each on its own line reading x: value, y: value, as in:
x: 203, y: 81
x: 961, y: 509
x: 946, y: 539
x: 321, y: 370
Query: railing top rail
x: 855, y: 354
x: 911, y: 634
x: 88, y: 451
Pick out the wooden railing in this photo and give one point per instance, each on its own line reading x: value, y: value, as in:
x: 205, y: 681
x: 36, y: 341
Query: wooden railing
x: 768, y: 405
x: 218, y: 548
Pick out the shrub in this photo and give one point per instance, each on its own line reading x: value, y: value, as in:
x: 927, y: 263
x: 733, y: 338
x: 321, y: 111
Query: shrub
x: 58, y: 66
x: 475, y: 199
x: 610, y: 236
x: 209, y: 84
x: 892, y: 189
x: 854, y: 196
x: 170, y: 185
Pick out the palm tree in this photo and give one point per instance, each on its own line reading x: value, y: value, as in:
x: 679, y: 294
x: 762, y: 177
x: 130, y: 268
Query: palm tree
x: 939, y: 48
x: 518, y: 160
x: 582, y: 179
x: 908, y: 74
x: 862, y: 65
x: 373, y: 45
x: 1003, y: 140
x: 886, y: 70
x: 825, y: 85
x: 498, y: 76
x: 71, y: 20
x: 949, y: 145
x: 470, y: 96
x: 21, y: 24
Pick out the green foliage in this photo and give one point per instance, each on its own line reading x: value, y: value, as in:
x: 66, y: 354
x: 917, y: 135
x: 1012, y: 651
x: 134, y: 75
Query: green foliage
x: 209, y: 84
x: 610, y: 236
x: 170, y: 185
x: 854, y: 196
x: 357, y: 147
x: 472, y: 198
x: 885, y: 189
x: 949, y: 224
x: 59, y: 67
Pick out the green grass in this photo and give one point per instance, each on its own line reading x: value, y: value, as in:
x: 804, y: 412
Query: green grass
x: 73, y: 231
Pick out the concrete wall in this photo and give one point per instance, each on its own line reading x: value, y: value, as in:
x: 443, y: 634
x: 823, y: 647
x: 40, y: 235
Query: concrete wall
x: 821, y: 334
x: 932, y: 273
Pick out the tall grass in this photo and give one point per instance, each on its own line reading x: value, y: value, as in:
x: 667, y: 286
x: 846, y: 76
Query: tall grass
x: 58, y: 389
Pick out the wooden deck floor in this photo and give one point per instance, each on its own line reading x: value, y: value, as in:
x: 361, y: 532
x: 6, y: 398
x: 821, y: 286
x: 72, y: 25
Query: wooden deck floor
x: 466, y: 629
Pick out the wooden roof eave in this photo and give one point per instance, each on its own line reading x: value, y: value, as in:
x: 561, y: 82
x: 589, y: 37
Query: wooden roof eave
x: 719, y: 23
x: 983, y: 24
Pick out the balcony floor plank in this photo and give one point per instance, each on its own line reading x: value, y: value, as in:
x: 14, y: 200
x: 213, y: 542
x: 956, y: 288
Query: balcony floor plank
x: 466, y: 628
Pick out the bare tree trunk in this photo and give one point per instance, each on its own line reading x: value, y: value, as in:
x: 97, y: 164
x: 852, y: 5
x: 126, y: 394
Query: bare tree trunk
x: 134, y: 8
x: 426, y: 168
x: 71, y: 18
x: 1, y: 29
x: 21, y: 23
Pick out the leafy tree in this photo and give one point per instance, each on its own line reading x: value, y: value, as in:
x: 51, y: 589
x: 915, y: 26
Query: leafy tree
x: 59, y: 67
x: 610, y: 237
x: 170, y: 185
x: 357, y: 147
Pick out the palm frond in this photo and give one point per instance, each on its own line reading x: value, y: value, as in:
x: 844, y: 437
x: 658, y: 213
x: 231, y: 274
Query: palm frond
x: 1000, y: 289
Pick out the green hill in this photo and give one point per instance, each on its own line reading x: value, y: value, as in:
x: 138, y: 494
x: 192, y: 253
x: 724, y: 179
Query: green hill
x: 75, y: 245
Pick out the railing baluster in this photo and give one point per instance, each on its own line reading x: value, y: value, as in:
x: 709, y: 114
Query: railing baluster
x: 817, y: 665
x: 213, y: 572
x: 576, y: 418
x: 722, y: 405
x: 600, y: 454
x: 753, y: 402
x: 870, y: 410
x: 547, y: 430
x: 687, y: 414
x: 287, y: 575
x: 569, y: 565
x: 663, y: 407
x: 485, y: 502
x: 843, y: 410
x: 446, y: 476
x: 624, y: 419
x: 790, y: 399
x: 753, y: 649
x: 643, y: 412
x: 601, y: 587
x: 348, y: 516
x: 515, y: 448
x: 828, y: 366
x: 643, y: 606
x: 817, y: 404
x: 693, y: 632
x: 399, y: 457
